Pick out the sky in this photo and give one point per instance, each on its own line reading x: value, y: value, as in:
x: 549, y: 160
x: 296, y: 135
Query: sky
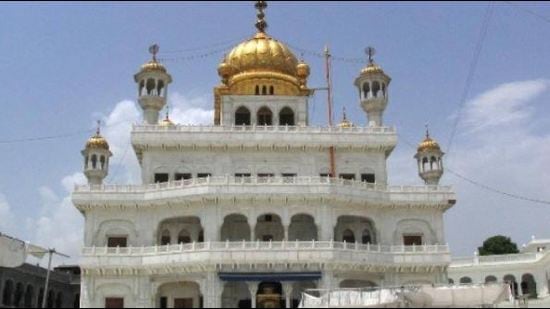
x: 65, y: 65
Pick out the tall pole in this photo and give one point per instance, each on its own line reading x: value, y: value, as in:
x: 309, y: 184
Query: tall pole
x: 332, y: 171
x: 45, y: 295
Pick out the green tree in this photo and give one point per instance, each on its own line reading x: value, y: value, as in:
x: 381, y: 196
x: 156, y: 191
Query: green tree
x: 497, y: 245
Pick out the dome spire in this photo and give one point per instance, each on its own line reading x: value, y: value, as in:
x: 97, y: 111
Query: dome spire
x: 154, y: 49
x: 370, y: 51
x: 261, y: 24
x: 98, y: 130
x: 427, y: 130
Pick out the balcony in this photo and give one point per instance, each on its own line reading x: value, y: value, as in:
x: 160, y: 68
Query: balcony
x: 380, y: 138
x: 492, y: 260
x: 237, y: 253
x: 228, y: 186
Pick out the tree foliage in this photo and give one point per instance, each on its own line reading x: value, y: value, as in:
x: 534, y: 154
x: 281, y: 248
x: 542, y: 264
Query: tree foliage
x: 497, y: 245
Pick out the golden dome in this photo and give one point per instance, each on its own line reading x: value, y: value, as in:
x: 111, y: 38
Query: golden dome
x: 153, y: 66
x: 345, y: 123
x: 428, y: 144
x: 261, y: 53
x: 372, y: 68
x: 97, y: 142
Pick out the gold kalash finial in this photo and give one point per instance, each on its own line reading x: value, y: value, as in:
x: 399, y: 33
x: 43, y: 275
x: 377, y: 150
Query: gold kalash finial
x: 261, y: 24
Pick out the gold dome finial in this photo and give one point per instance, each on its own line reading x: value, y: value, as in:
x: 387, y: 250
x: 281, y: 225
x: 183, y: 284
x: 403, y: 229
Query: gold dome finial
x: 166, y: 122
x: 371, y: 67
x: 97, y: 141
x: 345, y: 122
x: 261, y: 24
x: 428, y: 144
x: 153, y: 64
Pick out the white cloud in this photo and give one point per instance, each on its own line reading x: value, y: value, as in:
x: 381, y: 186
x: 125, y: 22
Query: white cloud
x: 190, y: 110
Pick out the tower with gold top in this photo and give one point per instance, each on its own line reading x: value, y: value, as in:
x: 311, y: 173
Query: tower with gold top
x: 153, y: 81
x: 430, y: 160
x: 259, y: 206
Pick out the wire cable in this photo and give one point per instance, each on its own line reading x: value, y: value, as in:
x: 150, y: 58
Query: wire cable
x: 471, y: 72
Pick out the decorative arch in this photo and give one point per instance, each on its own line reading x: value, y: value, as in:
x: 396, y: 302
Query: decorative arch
x: 529, y: 285
x: 415, y: 227
x: 269, y: 227
x: 235, y: 227
x: 264, y: 116
x: 114, y: 290
x: 242, y: 116
x: 286, y: 116
x: 466, y: 280
x: 29, y: 296
x: 491, y: 279
x: 302, y: 228
x: 7, y: 293
x: 115, y: 228
x: 352, y: 228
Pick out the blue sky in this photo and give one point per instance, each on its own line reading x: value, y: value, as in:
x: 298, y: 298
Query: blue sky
x: 65, y: 65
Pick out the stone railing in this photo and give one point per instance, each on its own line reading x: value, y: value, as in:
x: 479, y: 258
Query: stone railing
x: 258, y: 128
x: 261, y: 181
x: 256, y: 251
x: 497, y: 259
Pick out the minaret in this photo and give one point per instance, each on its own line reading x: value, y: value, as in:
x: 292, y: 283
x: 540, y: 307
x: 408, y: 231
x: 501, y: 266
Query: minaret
x: 152, y: 80
x: 96, y: 158
x: 430, y: 160
x: 373, y: 90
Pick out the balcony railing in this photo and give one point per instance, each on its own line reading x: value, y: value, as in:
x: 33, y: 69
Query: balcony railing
x: 258, y: 128
x: 261, y: 181
x: 264, y: 246
x: 497, y: 259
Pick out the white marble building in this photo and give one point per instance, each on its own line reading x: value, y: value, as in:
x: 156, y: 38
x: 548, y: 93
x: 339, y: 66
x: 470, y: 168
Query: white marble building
x: 528, y: 272
x: 254, y: 209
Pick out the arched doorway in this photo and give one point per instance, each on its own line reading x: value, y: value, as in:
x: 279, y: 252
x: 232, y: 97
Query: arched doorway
x: 286, y: 117
x: 235, y: 228
x: 265, y: 116
x: 185, y: 294
x: 269, y: 228
x: 180, y: 230
x: 302, y: 228
x: 511, y: 280
x: 529, y: 285
x: 7, y: 293
x: 270, y: 295
x: 491, y: 279
x: 353, y: 229
x: 242, y: 116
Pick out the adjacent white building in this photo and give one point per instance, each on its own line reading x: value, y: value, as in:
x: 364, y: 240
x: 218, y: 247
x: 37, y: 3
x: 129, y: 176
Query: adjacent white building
x: 528, y: 272
x: 254, y: 209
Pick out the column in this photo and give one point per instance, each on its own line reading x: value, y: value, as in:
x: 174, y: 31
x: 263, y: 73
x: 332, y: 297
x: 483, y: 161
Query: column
x: 287, y: 289
x: 212, y: 291
x: 210, y: 224
x: 285, y: 227
x: 253, y: 289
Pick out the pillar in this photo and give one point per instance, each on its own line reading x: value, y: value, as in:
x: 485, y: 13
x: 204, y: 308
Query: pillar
x: 287, y: 289
x: 212, y: 291
x: 253, y: 289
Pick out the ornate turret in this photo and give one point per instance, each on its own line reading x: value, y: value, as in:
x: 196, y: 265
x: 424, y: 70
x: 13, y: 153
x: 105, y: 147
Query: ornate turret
x: 373, y: 90
x: 260, y: 65
x: 96, y: 158
x: 430, y: 160
x: 152, y: 80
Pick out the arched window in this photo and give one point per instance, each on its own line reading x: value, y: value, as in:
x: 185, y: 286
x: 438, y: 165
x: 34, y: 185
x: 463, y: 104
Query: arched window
x: 286, y: 117
x: 384, y: 89
x: 491, y: 279
x: 465, y: 280
x: 424, y: 164
x: 257, y: 92
x: 271, y: 90
x: 348, y: 236
x: 265, y: 116
x: 29, y: 295
x: 367, y: 238
x: 201, y: 236
x: 40, y: 297
x: 150, y: 86
x: 86, y: 162
x: 165, y: 238
x: 160, y: 88
x: 142, y: 87
x: 102, y: 160
x: 264, y: 90
x: 433, y: 163
x: 7, y: 294
x: 242, y: 116
x: 366, y: 89
x: 451, y: 281
x: 184, y: 237
x: 94, y: 162
x: 375, y: 88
